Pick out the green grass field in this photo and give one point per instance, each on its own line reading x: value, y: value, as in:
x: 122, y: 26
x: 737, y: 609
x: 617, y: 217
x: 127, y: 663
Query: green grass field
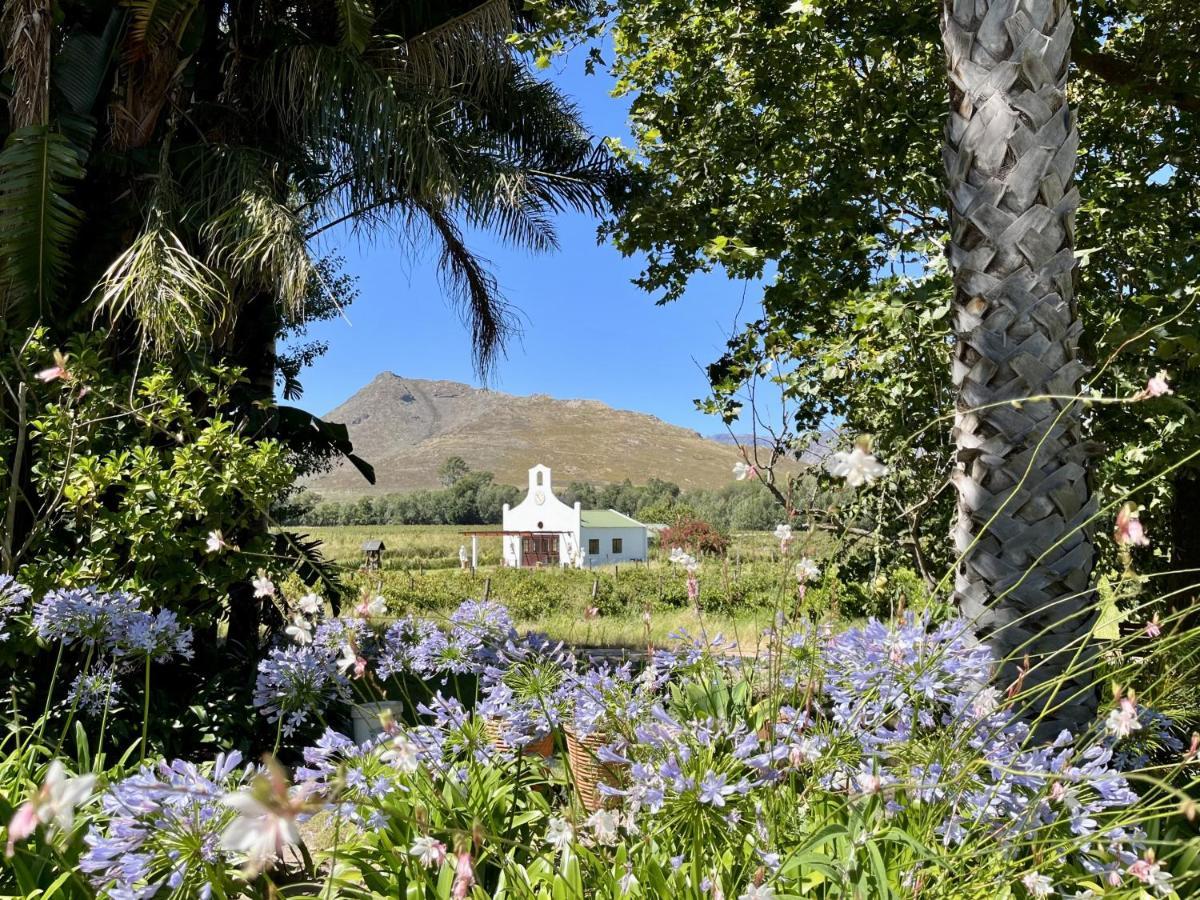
x: 602, y: 607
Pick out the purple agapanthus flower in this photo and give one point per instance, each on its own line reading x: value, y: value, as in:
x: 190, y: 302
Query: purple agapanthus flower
x: 160, y: 831
x: 297, y: 682
x: 13, y: 596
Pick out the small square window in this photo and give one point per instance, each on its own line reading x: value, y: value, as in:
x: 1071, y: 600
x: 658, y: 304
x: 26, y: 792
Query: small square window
x: 593, y: 546
x: 616, y: 545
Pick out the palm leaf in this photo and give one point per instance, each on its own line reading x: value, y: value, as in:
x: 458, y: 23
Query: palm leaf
x: 81, y: 65
x: 172, y: 298
x: 37, y: 221
x: 260, y: 242
x: 474, y: 290
x: 355, y: 20
x: 152, y: 18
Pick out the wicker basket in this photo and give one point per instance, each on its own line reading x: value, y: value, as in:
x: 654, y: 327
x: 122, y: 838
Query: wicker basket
x: 543, y: 747
x: 588, y: 772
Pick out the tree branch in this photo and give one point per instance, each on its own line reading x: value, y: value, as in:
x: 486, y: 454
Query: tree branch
x: 1123, y: 74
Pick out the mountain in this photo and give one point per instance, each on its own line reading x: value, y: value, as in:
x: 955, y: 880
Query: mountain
x: 406, y: 427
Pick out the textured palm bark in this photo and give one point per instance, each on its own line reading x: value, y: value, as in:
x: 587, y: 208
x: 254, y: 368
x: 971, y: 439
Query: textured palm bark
x: 1024, y: 493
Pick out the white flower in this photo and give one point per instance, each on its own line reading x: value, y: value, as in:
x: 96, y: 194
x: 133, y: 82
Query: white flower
x: 807, y: 569
x: 742, y: 471
x: 559, y: 833
x: 263, y: 586
x: 300, y: 630
x: 311, y: 604
x: 429, y: 852
x: 985, y: 702
x: 858, y: 467
x: 351, y: 660
x: 260, y: 832
x: 1037, y: 884
x: 1123, y: 721
x: 52, y: 806
x: 404, y: 755
x: 783, y: 532
x: 215, y: 543
x: 371, y: 608
x: 603, y: 823
x: 758, y: 892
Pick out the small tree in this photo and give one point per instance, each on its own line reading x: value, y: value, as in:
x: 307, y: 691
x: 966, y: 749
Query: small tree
x: 454, y: 468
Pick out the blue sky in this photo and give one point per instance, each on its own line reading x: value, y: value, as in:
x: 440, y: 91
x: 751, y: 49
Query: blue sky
x: 588, y: 331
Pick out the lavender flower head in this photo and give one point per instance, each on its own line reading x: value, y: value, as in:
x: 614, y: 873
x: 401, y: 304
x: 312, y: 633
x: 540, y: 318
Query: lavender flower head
x: 295, y: 682
x: 94, y: 691
x: 161, y: 831
x: 84, y: 615
x: 13, y: 595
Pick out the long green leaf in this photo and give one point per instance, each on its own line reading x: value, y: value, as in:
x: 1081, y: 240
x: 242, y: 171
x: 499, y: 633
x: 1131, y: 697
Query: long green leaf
x: 38, y: 167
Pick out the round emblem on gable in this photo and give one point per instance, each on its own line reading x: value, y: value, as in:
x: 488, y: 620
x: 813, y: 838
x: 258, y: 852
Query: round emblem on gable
x: 539, y: 497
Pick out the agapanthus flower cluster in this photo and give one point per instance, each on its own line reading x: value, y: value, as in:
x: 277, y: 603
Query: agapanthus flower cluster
x: 157, y: 636
x: 161, y: 831
x: 84, y: 615
x: 608, y: 700
x: 894, y: 688
x: 397, y: 650
x: 95, y: 690
x: 113, y: 622
x: 13, y: 596
x: 522, y: 689
x: 297, y: 682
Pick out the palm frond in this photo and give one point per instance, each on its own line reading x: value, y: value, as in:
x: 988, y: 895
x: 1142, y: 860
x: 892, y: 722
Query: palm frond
x: 82, y: 64
x: 362, y: 134
x: 473, y: 289
x: 469, y: 51
x: 260, y: 243
x: 37, y: 221
x: 27, y: 26
x: 172, y: 298
x: 355, y: 21
x: 153, y: 21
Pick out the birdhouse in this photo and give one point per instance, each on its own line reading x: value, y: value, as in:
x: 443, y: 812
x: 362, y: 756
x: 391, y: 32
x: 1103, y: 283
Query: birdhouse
x: 372, y: 553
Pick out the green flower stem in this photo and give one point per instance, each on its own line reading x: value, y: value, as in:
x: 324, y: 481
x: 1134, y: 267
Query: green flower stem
x: 145, y: 708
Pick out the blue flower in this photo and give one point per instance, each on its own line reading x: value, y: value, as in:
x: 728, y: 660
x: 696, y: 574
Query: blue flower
x: 13, y: 596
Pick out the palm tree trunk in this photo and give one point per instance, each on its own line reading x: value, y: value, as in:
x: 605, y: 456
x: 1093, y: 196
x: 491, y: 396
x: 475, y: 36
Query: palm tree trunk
x: 1024, y: 492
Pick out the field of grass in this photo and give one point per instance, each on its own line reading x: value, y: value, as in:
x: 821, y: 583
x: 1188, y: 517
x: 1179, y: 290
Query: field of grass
x: 606, y: 606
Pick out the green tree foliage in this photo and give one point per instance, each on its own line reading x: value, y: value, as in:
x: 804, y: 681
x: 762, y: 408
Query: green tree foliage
x: 453, y: 470
x: 168, y: 169
x: 798, y: 146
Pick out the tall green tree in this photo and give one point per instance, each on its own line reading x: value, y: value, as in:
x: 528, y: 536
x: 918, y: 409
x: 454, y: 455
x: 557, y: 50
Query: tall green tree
x: 798, y: 146
x: 171, y: 170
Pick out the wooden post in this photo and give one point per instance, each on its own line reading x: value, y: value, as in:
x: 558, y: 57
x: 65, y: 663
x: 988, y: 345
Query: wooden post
x: 487, y: 588
x: 474, y: 552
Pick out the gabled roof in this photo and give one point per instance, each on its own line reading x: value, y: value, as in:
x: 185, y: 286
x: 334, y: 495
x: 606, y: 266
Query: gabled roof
x: 607, y: 518
x: 372, y: 546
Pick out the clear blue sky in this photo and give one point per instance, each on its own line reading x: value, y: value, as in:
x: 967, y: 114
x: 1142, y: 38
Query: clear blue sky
x: 588, y: 332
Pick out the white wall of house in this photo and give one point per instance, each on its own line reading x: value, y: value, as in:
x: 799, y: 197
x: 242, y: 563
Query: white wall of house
x: 633, y: 545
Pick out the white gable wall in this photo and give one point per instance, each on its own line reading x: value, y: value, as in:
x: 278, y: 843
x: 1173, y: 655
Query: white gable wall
x: 542, y: 511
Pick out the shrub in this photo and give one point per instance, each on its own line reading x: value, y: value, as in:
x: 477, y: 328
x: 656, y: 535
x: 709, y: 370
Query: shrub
x: 697, y: 537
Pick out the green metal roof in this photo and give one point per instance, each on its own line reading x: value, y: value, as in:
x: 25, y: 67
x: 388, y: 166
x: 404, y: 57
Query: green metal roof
x: 607, y: 518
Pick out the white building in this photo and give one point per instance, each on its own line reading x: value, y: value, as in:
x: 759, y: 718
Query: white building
x: 541, y: 530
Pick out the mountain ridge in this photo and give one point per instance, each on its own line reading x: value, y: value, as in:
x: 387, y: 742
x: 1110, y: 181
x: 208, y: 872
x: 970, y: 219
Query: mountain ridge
x: 405, y: 427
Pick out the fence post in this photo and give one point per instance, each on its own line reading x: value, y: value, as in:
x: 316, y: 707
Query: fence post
x: 487, y: 588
